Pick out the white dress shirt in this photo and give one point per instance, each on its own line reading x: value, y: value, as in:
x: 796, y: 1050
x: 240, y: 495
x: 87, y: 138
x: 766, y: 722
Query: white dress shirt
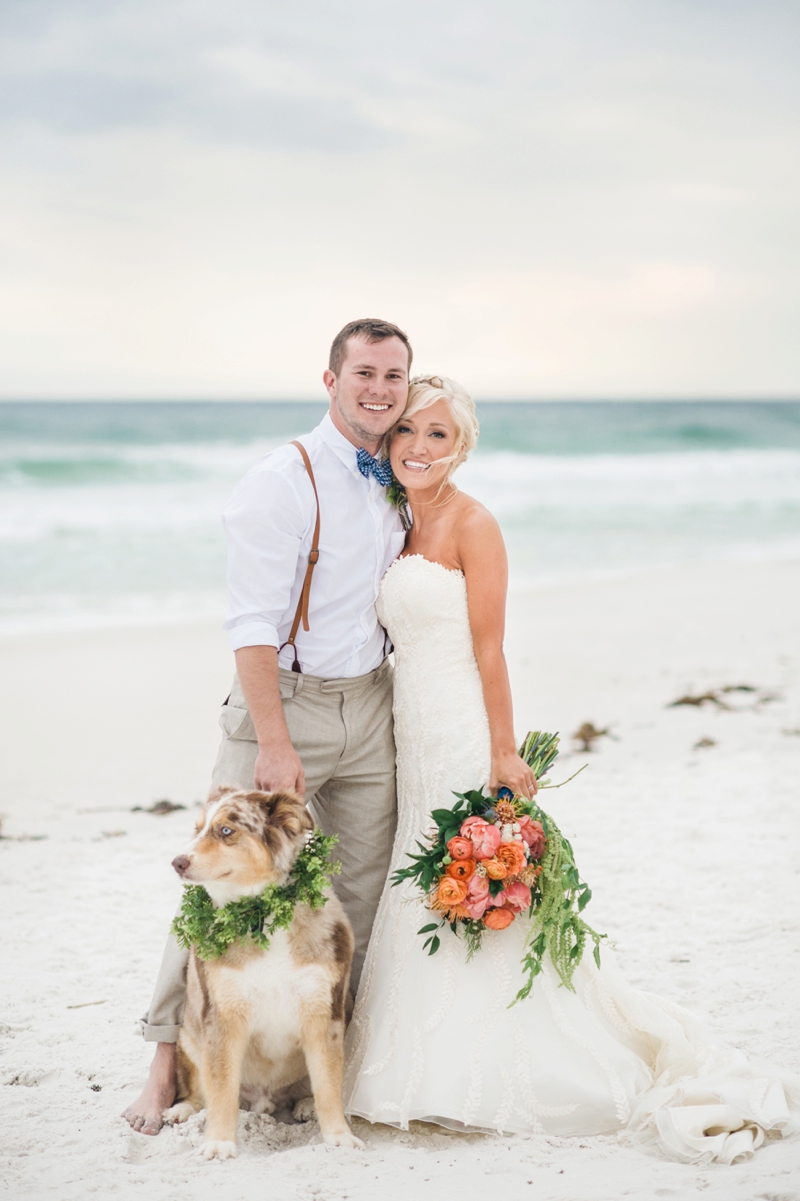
x: 269, y: 521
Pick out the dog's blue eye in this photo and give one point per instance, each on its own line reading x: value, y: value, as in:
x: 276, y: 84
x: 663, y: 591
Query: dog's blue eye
x: 225, y: 831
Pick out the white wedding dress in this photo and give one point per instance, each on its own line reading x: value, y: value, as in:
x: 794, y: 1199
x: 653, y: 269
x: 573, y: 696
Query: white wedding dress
x: 432, y: 1037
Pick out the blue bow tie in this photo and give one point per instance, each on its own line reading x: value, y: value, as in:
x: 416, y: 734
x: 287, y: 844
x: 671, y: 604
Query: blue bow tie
x: 380, y: 468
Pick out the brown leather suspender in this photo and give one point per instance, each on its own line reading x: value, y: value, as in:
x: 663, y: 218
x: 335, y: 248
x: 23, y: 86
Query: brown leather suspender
x: 301, y: 613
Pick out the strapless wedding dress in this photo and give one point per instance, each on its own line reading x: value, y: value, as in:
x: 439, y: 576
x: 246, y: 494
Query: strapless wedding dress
x: 433, y: 1038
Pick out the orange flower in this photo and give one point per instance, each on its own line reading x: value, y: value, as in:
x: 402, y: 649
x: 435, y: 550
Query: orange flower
x: 498, y: 919
x: 461, y: 869
x: 459, y: 848
x: 450, y: 892
x: 512, y: 857
x: 495, y: 869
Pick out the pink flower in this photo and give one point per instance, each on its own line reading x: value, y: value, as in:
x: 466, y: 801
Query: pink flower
x: 484, y: 837
x: 478, y: 898
x: 532, y: 833
x: 478, y: 886
x: 476, y: 909
x: 517, y: 896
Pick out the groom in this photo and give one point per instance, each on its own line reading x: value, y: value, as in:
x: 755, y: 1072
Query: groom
x: 324, y: 731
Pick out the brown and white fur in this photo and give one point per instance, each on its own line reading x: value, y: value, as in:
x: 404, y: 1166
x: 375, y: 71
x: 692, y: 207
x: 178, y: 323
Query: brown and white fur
x: 257, y: 1021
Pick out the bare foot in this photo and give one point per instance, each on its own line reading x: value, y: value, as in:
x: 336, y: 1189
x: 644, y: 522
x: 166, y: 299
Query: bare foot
x: 145, y: 1115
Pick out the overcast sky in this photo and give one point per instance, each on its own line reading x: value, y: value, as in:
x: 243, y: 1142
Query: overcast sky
x: 554, y: 197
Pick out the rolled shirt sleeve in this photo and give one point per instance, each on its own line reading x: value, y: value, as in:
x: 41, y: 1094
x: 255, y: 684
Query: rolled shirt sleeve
x: 266, y: 527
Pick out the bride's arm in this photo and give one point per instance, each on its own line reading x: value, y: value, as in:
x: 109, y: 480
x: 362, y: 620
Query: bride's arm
x: 483, y: 558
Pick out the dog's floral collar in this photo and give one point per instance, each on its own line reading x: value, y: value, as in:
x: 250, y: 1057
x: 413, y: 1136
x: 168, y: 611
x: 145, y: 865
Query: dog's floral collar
x: 211, y: 930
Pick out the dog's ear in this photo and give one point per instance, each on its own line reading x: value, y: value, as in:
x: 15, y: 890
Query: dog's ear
x: 286, y: 812
x: 219, y: 791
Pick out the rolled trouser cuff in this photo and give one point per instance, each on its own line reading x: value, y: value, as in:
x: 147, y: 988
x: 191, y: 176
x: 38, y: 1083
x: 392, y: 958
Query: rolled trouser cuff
x: 158, y: 1034
x: 162, y: 1021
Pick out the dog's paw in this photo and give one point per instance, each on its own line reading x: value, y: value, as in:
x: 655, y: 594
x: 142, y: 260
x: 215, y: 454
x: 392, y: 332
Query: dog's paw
x: 262, y: 1105
x: 217, y: 1149
x: 178, y: 1113
x: 343, y: 1138
x: 305, y: 1110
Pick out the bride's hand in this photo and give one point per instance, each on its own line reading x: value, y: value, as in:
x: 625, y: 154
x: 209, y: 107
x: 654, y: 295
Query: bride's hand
x: 509, y: 771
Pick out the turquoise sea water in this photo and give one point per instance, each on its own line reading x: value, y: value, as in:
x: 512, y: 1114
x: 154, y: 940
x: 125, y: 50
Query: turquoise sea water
x: 110, y: 512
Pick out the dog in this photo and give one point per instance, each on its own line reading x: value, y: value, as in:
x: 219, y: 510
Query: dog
x: 258, y: 1021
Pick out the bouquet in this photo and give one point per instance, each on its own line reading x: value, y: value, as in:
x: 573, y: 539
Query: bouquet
x: 490, y: 860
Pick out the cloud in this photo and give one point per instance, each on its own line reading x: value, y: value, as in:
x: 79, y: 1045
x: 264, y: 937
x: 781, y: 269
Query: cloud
x: 568, y: 199
x: 83, y: 102
x: 85, y: 77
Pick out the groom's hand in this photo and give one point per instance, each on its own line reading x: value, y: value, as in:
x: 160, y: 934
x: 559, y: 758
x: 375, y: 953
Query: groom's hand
x: 278, y: 769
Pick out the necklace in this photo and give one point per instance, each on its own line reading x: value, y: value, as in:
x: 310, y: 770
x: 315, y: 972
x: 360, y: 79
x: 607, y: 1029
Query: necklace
x: 210, y: 930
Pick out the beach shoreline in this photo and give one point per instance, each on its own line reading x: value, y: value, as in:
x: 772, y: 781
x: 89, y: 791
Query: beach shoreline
x: 689, y: 850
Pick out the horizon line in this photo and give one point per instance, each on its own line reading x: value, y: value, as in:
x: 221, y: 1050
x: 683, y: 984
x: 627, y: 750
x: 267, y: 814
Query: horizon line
x: 264, y: 400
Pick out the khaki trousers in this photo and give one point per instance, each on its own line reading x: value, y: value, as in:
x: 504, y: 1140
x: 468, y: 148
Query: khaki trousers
x: 342, y: 730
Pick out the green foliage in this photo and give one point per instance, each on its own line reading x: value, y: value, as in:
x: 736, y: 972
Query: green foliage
x: 211, y: 930
x: 559, y: 896
x: 473, y: 936
x: 540, y: 752
x: 396, y: 495
x: 428, y: 866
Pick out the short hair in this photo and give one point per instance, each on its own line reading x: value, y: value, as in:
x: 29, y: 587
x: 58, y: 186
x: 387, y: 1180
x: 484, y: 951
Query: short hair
x: 424, y: 391
x: 371, y: 329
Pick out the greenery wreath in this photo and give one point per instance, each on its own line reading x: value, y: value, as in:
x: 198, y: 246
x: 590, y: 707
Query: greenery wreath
x: 210, y: 930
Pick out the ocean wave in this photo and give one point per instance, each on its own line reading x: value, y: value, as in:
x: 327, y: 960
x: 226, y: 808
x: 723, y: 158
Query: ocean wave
x: 520, y: 485
x: 43, y: 466
x: 184, y: 489
x: 95, y: 533
x: 58, y: 514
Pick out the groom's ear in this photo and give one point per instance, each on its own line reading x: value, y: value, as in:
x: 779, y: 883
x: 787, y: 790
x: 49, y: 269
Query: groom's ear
x: 329, y: 380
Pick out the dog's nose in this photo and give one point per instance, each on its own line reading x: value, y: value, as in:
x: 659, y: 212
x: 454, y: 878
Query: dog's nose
x: 180, y: 863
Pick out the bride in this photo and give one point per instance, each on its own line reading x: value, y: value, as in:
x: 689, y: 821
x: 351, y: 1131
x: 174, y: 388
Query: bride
x: 432, y: 1037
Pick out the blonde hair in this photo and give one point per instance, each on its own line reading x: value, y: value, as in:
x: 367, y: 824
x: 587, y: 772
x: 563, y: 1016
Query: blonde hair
x: 423, y: 392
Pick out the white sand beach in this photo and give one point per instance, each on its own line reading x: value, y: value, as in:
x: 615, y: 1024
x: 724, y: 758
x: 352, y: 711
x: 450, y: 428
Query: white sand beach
x: 691, y: 853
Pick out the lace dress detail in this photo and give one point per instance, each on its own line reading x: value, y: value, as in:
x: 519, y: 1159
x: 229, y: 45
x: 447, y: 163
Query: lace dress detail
x: 433, y: 1038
